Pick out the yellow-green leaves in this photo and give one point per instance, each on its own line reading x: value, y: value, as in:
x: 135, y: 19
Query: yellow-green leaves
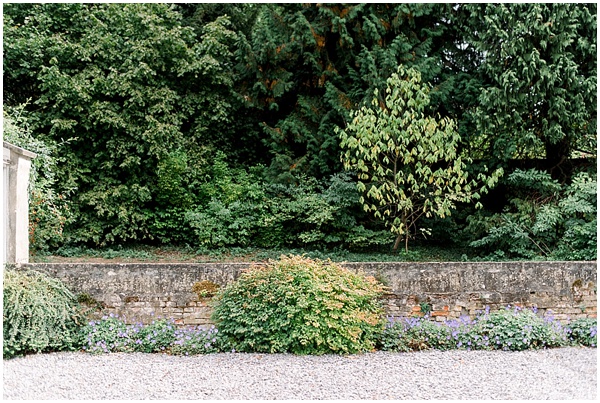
x: 322, y: 308
x: 408, y: 160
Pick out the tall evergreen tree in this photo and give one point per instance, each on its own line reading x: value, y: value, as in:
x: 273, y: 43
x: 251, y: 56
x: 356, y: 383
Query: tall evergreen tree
x: 308, y: 65
x: 539, y: 100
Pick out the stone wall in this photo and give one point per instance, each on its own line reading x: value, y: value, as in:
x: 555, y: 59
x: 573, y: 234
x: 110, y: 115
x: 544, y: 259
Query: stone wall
x: 142, y: 291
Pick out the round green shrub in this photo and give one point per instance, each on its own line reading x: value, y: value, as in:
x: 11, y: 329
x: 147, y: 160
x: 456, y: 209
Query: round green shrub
x: 301, y: 306
x: 39, y: 314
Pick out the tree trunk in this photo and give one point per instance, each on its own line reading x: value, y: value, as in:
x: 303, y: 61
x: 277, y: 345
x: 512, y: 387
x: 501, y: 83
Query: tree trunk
x: 399, y: 238
x: 557, y: 157
x: 397, y: 243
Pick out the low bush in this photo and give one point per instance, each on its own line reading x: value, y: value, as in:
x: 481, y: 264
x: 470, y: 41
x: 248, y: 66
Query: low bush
x: 520, y: 329
x: 420, y: 333
x: 39, y: 314
x: 191, y: 341
x: 301, y: 306
x: 414, y: 334
x: 112, y: 334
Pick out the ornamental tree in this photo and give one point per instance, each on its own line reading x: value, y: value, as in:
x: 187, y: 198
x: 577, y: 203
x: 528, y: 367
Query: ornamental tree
x: 407, y: 163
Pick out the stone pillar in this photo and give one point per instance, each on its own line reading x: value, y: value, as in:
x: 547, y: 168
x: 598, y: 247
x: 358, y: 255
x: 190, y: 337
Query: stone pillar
x: 16, y: 168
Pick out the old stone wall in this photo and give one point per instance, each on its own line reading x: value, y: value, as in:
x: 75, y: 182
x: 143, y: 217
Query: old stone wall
x: 143, y: 291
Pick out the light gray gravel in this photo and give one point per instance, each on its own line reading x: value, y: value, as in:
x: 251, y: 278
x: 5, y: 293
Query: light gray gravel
x: 564, y: 373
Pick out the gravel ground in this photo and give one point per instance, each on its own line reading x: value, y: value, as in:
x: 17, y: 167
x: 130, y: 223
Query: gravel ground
x: 564, y: 373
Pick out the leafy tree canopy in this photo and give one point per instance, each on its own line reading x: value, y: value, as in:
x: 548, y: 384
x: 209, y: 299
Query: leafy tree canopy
x: 407, y: 162
x: 128, y: 85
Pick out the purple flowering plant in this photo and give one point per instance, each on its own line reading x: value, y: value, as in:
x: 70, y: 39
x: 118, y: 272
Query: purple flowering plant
x: 109, y: 334
x: 583, y: 332
x: 113, y: 334
x: 195, y: 340
x: 511, y: 328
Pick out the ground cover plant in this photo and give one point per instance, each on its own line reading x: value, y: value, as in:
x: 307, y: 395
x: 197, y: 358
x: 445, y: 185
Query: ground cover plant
x: 510, y: 329
x: 113, y: 334
x: 145, y: 253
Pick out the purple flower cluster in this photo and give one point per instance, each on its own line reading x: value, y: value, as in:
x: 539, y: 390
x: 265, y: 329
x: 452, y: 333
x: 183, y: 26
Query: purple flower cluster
x: 195, y: 340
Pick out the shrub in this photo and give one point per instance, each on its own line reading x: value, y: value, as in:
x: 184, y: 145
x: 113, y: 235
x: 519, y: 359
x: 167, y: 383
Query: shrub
x: 240, y: 208
x: 48, y: 208
x: 420, y: 333
x: 301, y: 306
x: 509, y: 329
x: 155, y: 337
x: 110, y: 334
x: 39, y: 314
x: 544, y: 219
x: 394, y: 337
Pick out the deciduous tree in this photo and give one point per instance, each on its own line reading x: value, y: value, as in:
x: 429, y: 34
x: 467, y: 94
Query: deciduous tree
x: 130, y: 87
x: 407, y: 162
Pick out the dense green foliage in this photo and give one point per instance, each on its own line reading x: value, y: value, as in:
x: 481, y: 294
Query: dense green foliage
x: 49, y: 209
x: 583, y: 332
x: 39, y: 314
x: 120, y: 82
x: 543, y: 218
x: 540, y: 100
x: 300, y: 306
x: 214, y: 125
x: 245, y: 210
x: 308, y: 65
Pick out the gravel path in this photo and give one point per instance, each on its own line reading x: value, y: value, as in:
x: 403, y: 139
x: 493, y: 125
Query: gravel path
x: 564, y: 373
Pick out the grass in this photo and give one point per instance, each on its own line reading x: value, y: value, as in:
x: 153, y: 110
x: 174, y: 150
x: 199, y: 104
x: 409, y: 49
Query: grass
x: 186, y: 254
